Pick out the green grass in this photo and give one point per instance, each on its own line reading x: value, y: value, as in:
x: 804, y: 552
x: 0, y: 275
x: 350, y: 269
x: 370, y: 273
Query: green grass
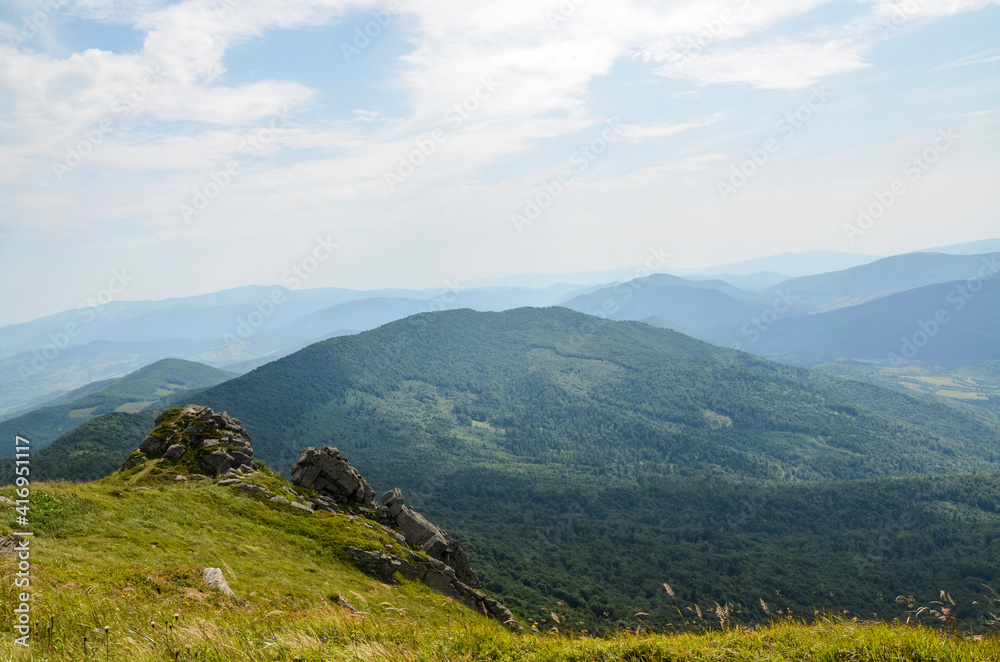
x: 108, y: 555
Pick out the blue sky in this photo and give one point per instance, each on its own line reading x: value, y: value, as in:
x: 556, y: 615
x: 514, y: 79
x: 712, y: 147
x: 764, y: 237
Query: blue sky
x: 315, y: 139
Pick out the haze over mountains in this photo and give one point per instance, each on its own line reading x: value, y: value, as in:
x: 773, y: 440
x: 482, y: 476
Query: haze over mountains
x: 758, y: 311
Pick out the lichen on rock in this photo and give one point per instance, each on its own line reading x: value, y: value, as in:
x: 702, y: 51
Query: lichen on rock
x: 197, y: 440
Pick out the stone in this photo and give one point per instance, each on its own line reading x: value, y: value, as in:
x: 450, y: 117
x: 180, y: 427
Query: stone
x: 7, y: 502
x: 180, y: 479
x: 298, y: 506
x: 324, y: 503
x: 431, y: 539
x: 219, y: 442
x: 153, y: 445
x: 376, y: 564
x: 174, y: 452
x: 330, y: 474
x: 230, y: 481
x: 133, y: 460
x: 214, y: 578
x: 279, y: 499
x: 254, y: 489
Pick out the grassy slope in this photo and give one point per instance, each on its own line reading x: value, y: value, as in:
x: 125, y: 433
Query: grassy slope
x: 107, y: 556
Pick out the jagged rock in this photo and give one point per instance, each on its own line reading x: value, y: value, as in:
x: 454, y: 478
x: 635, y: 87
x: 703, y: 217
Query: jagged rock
x: 299, y: 506
x: 442, y: 565
x: 378, y: 565
x: 330, y: 474
x: 436, y: 575
x: 214, y: 578
x: 230, y: 481
x: 219, y: 442
x: 279, y: 499
x: 432, y: 540
x: 345, y: 603
x: 324, y: 503
x: 256, y: 489
x: 181, y: 479
x: 174, y: 452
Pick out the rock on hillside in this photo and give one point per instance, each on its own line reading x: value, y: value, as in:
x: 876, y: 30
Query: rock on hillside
x: 198, y: 443
x: 196, y: 438
x: 441, y: 563
x: 330, y: 474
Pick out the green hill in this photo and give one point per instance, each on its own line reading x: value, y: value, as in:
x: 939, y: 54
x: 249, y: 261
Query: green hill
x: 550, y: 386
x: 150, y: 386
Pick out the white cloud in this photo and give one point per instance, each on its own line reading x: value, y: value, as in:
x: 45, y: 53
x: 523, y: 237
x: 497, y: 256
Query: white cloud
x: 641, y: 132
x: 776, y: 65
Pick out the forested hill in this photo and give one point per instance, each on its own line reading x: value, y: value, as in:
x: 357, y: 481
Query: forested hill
x: 551, y: 385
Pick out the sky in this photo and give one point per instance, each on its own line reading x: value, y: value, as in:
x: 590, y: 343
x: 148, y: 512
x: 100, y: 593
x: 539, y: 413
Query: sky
x: 177, y: 148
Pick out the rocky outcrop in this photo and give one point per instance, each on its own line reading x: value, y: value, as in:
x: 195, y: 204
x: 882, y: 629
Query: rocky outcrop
x: 199, y: 440
x: 329, y: 473
x: 436, y: 575
x: 441, y: 563
x: 431, y: 539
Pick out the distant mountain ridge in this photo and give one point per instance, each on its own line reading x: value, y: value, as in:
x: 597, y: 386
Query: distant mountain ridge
x: 941, y: 322
x: 246, y: 327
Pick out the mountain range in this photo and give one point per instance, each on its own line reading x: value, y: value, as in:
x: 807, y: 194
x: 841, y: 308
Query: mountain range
x: 240, y: 329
